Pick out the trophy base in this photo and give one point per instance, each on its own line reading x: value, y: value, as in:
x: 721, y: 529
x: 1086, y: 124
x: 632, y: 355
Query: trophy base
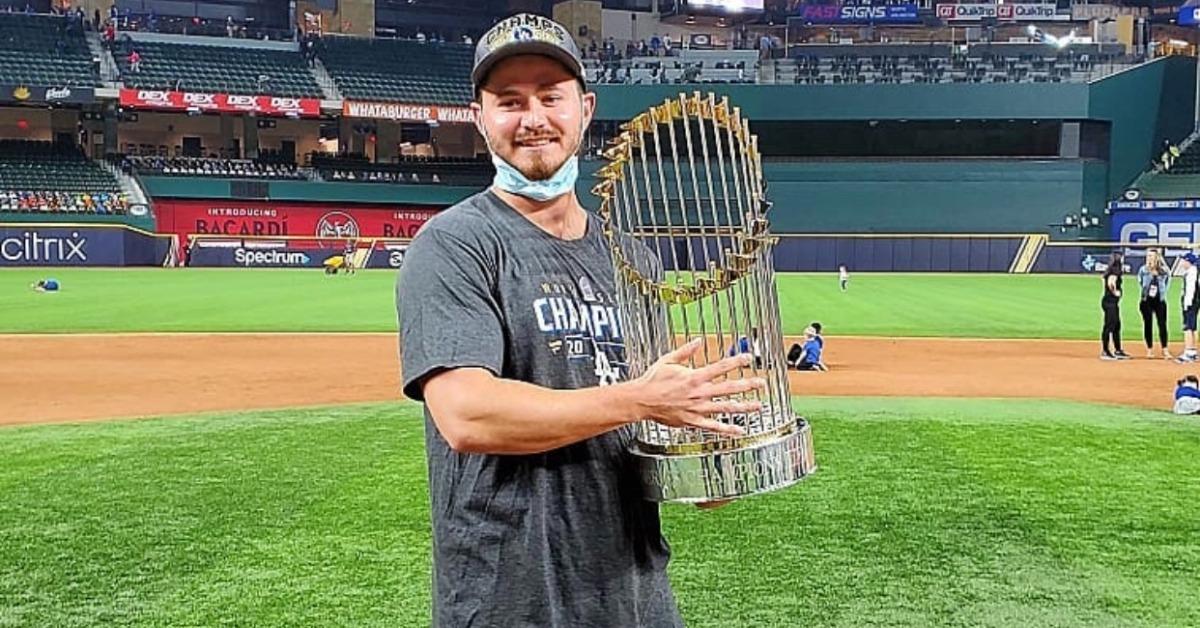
x: 760, y: 468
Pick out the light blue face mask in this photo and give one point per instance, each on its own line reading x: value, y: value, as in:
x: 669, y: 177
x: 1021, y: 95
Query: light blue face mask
x: 509, y: 179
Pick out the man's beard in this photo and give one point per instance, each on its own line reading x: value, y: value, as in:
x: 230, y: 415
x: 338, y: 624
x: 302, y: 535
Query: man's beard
x: 536, y: 168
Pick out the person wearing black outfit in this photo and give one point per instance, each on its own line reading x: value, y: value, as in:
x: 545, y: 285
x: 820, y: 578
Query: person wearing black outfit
x: 1154, y: 277
x: 1111, y: 304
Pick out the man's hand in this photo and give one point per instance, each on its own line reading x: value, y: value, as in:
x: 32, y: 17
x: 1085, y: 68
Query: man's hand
x: 678, y: 396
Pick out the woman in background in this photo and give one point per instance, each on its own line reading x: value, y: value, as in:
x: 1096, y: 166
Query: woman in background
x: 1111, y: 304
x: 1154, y: 277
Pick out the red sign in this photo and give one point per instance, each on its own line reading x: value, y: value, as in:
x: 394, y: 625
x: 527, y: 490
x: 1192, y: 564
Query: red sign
x: 323, y: 221
x: 166, y: 100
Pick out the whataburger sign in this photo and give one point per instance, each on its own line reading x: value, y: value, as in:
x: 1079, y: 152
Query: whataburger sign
x: 411, y: 113
x: 167, y: 100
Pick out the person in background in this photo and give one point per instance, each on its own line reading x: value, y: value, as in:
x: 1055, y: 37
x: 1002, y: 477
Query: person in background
x: 1154, y: 277
x: 46, y: 285
x: 1111, y: 304
x: 843, y: 277
x: 751, y: 345
x: 1189, y: 303
x: 1187, y: 395
x: 807, y: 357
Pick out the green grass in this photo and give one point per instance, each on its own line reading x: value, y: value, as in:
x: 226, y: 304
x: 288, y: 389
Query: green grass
x: 924, y: 512
x: 245, y: 300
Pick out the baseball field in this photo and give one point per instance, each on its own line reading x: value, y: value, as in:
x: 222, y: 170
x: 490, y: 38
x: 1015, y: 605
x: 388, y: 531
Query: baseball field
x: 979, y: 465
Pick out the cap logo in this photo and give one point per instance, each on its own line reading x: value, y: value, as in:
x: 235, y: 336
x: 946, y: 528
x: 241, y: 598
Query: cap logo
x: 523, y: 33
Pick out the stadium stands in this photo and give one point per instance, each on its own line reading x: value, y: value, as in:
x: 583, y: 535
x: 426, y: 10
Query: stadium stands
x: 688, y: 66
x: 218, y: 69
x: 399, y: 70
x: 942, y: 63
x: 224, y: 168
x: 41, y: 176
x: 44, y: 50
x: 426, y: 170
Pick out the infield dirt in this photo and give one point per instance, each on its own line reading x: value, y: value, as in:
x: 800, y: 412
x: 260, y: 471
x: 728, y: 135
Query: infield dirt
x: 46, y: 378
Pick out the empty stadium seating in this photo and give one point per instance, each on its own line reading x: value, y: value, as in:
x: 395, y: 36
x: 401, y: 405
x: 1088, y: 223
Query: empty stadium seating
x: 688, y: 66
x: 45, y: 50
x: 399, y: 70
x: 426, y: 170
x: 940, y: 63
x: 40, y: 176
x: 199, y: 167
x: 222, y: 69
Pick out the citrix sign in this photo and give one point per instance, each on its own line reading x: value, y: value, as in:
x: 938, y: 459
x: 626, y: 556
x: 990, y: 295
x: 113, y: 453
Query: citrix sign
x: 32, y: 246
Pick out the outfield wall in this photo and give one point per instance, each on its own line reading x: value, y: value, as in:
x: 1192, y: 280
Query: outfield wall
x: 67, y: 244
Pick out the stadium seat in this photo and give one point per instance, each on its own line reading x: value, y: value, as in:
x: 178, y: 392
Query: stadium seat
x: 368, y: 69
x: 47, y: 177
x: 44, y: 50
x: 223, y: 69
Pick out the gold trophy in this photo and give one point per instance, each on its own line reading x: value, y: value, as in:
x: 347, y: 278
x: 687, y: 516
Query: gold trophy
x: 685, y: 216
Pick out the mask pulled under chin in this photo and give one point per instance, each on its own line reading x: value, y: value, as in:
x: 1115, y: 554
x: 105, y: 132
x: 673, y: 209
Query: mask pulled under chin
x: 509, y: 179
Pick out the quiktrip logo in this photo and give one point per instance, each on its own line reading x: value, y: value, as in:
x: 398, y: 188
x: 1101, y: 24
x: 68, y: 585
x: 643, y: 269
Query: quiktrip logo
x: 32, y: 247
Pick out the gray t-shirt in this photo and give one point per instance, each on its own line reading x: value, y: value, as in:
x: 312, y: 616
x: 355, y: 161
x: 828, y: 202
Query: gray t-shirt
x: 562, y: 538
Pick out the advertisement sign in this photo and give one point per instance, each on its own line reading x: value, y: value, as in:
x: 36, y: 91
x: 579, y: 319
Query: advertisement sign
x: 326, y: 221
x: 1085, y: 12
x: 249, y: 254
x: 1016, y: 12
x: 1170, y: 204
x: 44, y: 95
x: 167, y: 100
x: 729, y: 5
x: 406, y: 112
x: 1189, y: 16
x: 850, y: 14
x: 1175, y: 231
x: 26, y: 245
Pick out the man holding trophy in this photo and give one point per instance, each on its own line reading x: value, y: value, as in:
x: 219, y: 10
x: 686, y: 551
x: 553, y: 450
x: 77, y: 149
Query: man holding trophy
x: 514, y: 334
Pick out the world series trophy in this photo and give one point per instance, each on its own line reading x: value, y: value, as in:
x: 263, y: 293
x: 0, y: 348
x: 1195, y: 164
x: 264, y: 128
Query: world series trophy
x: 684, y: 214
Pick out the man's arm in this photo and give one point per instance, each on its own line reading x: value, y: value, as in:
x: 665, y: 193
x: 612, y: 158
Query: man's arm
x: 477, y: 412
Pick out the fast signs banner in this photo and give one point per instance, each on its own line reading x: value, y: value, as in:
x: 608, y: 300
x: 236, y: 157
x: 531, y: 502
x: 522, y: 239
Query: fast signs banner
x: 852, y: 14
x: 167, y: 100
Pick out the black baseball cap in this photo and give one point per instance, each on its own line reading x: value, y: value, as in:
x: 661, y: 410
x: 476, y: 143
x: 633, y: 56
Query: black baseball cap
x: 526, y: 34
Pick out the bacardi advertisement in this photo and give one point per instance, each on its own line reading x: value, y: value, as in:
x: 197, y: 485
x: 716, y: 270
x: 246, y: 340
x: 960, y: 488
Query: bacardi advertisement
x: 319, y: 221
x: 166, y: 100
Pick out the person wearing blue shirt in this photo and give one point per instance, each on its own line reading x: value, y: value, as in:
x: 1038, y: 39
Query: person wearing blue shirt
x: 46, y: 285
x: 750, y: 345
x: 807, y: 357
x: 1187, y: 395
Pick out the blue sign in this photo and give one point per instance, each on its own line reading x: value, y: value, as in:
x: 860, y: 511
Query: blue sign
x: 1189, y: 16
x: 25, y: 245
x: 1175, y: 231
x: 850, y: 14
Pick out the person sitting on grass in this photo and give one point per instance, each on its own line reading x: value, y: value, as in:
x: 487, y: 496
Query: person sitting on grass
x: 807, y: 357
x: 1187, y: 395
x: 46, y: 285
